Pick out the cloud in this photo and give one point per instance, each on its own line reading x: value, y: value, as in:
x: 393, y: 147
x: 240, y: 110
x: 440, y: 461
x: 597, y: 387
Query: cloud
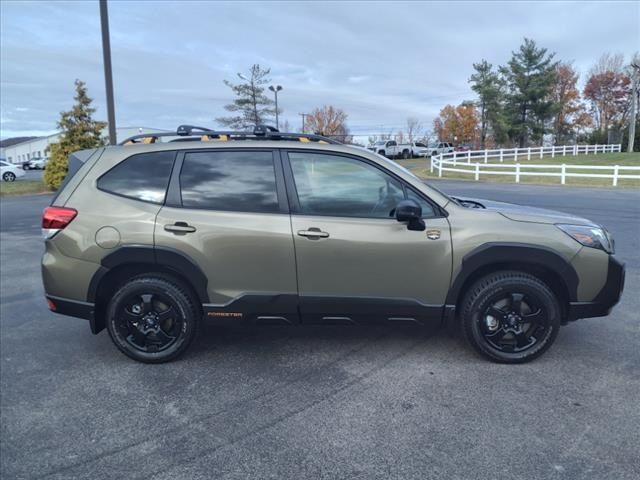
x: 380, y: 62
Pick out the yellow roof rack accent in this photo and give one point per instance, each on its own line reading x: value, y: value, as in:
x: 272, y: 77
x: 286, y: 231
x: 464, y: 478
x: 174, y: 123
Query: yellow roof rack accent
x: 223, y: 138
x: 148, y: 140
x: 322, y: 141
x: 205, y: 138
x: 304, y: 140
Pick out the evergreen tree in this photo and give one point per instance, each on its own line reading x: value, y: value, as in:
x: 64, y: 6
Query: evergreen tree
x: 252, y: 106
x: 529, y: 76
x: 490, y: 89
x: 79, y: 131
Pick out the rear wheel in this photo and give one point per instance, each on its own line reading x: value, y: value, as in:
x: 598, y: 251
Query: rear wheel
x: 9, y: 176
x: 405, y: 154
x: 510, y: 317
x: 152, y: 319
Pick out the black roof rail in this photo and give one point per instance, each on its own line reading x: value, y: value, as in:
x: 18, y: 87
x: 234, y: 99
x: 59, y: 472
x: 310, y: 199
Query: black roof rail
x: 194, y: 133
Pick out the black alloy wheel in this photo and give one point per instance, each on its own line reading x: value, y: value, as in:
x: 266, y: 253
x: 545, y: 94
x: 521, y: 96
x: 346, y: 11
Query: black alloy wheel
x: 152, y: 319
x: 510, y: 317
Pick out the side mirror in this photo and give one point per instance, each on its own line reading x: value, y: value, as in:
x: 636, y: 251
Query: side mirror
x: 409, y: 211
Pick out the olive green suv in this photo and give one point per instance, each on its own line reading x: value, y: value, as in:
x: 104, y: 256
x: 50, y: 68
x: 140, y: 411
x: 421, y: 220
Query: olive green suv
x: 152, y: 237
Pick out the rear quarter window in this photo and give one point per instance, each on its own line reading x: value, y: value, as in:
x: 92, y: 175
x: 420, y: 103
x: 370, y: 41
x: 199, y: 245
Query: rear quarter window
x: 144, y: 177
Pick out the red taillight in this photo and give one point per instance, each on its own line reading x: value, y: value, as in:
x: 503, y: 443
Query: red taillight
x: 52, y: 306
x: 57, y: 217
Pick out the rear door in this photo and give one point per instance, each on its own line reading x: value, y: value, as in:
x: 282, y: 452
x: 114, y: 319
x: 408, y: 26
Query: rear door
x: 227, y: 211
x: 355, y: 262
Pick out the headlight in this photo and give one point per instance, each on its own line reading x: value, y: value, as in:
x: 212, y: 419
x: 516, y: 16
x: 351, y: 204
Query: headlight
x: 594, y: 237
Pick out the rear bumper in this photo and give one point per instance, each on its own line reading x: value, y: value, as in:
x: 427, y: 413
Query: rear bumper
x: 71, y: 308
x: 606, y: 299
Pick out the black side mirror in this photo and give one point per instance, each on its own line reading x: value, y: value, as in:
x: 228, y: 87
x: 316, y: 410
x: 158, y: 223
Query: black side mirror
x: 411, y: 212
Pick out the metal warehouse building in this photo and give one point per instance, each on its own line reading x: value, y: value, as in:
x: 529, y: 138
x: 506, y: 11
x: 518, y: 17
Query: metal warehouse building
x: 22, y: 149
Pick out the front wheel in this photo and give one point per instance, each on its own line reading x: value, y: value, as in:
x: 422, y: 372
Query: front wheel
x: 152, y: 319
x: 510, y: 317
x: 9, y: 177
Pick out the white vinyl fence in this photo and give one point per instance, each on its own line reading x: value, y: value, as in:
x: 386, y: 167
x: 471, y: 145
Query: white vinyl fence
x: 476, y: 163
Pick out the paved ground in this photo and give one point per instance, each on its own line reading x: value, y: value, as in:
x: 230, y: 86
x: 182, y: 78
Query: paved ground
x: 319, y: 402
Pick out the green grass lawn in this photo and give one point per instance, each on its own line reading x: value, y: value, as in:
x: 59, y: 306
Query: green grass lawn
x: 22, y: 187
x: 421, y: 167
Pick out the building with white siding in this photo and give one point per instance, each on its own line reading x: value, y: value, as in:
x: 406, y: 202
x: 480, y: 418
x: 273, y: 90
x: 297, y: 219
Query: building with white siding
x: 37, y: 147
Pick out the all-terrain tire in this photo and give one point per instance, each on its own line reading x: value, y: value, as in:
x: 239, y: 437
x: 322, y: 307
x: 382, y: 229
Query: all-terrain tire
x: 491, y: 298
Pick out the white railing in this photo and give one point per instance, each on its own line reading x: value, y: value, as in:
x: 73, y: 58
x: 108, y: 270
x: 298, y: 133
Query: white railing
x: 532, y: 152
x: 462, y: 162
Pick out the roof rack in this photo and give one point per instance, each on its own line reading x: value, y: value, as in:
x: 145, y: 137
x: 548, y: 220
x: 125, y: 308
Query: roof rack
x: 193, y: 133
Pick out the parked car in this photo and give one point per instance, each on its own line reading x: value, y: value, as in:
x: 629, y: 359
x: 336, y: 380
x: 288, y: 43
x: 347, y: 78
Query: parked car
x: 148, y: 240
x: 463, y: 148
x: 36, y: 164
x: 392, y: 149
x: 437, y: 149
x: 9, y: 172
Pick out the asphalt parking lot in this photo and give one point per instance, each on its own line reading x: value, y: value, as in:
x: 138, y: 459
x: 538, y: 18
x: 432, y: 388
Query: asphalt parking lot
x: 319, y: 402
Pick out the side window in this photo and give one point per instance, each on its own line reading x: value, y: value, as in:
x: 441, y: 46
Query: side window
x: 232, y: 181
x: 339, y: 186
x: 143, y: 177
x: 427, y: 208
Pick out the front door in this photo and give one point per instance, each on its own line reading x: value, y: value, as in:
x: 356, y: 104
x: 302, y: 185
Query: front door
x: 355, y: 262
x: 226, y: 210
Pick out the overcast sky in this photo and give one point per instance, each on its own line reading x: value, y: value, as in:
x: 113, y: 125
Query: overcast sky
x: 379, y: 61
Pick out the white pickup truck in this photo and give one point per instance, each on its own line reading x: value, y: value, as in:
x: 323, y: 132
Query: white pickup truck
x: 436, y: 149
x: 393, y: 149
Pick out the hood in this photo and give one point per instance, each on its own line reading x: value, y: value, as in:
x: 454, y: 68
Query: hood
x: 523, y: 213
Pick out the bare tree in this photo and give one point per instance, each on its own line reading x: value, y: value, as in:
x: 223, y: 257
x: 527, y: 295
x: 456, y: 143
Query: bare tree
x: 328, y: 121
x: 413, y: 127
x: 608, y: 62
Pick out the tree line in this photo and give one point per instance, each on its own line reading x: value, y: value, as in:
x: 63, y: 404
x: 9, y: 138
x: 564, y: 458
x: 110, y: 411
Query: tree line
x: 534, y: 96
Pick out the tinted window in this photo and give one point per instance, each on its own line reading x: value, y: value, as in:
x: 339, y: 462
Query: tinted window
x: 143, y: 177
x: 339, y: 186
x: 236, y: 181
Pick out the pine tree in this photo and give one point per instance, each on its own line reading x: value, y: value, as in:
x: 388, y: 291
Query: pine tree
x: 252, y: 106
x: 79, y: 131
x: 529, y: 76
x: 489, y: 87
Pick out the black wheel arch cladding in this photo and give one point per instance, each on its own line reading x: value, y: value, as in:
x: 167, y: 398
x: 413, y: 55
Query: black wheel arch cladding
x: 498, y: 253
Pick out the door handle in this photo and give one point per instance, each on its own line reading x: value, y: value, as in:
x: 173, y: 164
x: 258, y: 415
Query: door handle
x: 313, y: 233
x: 180, y: 227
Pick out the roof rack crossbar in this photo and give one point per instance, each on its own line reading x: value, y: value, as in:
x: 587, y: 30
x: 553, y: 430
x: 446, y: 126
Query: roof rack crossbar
x: 260, y: 132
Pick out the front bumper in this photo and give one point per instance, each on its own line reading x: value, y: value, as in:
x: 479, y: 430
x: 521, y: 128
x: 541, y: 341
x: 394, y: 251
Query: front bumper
x: 606, y: 299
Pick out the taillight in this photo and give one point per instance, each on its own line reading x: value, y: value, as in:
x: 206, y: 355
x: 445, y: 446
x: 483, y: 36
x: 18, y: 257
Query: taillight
x: 55, y: 219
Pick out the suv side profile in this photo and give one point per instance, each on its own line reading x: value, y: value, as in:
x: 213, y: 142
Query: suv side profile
x: 149, y: 238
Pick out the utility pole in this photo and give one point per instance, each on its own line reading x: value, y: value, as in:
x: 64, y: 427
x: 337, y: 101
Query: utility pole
x: 303, y: 123
x: 108, y: 78
x: 635, y: 97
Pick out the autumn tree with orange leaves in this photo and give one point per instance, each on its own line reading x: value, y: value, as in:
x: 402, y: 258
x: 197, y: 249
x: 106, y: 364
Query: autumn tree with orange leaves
x: 608, y: 94
x: 570, y: 114
x: 458, y: 125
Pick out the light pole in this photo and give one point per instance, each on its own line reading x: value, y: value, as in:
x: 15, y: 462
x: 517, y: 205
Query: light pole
x: 108, y: 78
x: 275, y: 90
